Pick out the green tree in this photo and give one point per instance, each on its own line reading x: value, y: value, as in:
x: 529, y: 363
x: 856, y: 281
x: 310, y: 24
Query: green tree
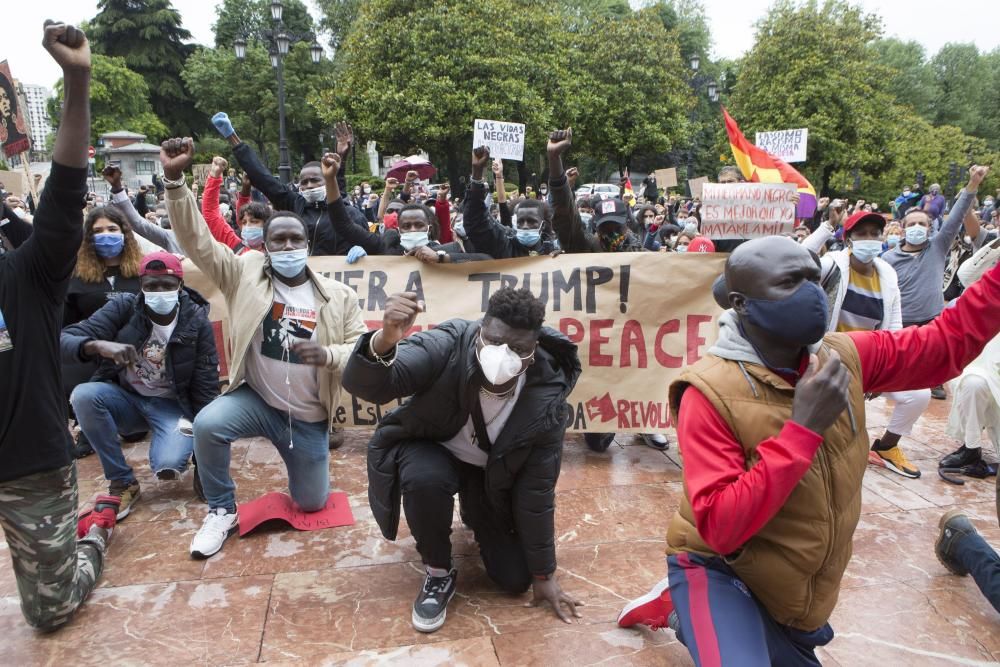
x: 632, y: 104
x: 119, y: 100
x: 339, y: 17
x: 250, y: 18
x: 916, y: 145
x: 960, y: 74
x: 148, y: 34
x: 420, y: 79
x: 913, y: 83
x: 810, y: 67
x: 685, y: 20
x: 247, y: 91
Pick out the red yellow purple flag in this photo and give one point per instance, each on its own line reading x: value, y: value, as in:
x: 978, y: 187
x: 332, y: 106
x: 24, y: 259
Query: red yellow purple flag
x: 628, y: 194
x: 759, y: 166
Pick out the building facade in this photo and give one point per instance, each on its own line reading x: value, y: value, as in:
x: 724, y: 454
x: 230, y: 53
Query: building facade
x: 36, y: 106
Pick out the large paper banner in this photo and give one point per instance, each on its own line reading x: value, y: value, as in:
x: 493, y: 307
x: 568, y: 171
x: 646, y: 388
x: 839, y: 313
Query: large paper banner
x: 634, y: 333
x: 789, y: 145
x: 13, y: 126
x: 505, y: 140
x: 747, y: 210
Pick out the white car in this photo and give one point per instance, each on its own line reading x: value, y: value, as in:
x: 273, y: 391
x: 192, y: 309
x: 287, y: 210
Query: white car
x: 602, y: 190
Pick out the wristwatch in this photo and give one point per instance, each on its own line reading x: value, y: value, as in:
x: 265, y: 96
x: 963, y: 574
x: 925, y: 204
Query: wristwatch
x: 441, y: 255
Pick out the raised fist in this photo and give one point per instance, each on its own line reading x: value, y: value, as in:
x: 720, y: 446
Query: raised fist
x: 67, y: 45
x: 219, y: 167
x: 560, y: 141
x: 176, y: 156
x: 331, y: 165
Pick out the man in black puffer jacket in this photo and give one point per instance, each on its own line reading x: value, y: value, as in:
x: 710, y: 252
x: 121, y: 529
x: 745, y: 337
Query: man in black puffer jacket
x: 159, y: 368
x: 485, y: 419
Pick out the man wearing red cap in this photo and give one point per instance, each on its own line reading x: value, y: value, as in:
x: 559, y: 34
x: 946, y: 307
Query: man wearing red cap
x: 867, y: 298
x: 159, y: 368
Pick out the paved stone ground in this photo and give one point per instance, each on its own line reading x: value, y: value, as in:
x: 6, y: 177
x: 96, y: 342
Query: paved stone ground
x: 343, y: 596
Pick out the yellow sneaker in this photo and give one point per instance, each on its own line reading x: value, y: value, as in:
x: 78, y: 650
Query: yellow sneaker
x: 129, y: 493
x: 895, y: 460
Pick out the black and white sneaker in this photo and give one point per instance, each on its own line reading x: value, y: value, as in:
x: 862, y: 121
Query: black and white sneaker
x: 431, y: 606
x: 218, y: 526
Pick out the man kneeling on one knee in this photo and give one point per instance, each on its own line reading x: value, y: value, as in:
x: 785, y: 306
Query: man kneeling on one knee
x: 485, y: 420
x: 159, y: 368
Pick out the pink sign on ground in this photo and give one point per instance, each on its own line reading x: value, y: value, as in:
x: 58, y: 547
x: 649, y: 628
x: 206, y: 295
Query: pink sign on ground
x: 277, y: 505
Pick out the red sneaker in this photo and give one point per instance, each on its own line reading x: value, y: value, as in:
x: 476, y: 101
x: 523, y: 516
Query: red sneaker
x: 104, y: 515
x: 652, y: 609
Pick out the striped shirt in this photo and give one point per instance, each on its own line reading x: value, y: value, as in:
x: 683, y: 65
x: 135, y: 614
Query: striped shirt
x: 862, y: 308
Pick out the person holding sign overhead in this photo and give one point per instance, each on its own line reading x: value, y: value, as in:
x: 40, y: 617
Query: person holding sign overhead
x: 611, y: 222
x: 486, y: 418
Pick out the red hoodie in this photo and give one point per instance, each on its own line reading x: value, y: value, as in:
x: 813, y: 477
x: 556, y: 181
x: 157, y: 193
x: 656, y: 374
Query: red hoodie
x: 731, y: 503
x: 217, y: 224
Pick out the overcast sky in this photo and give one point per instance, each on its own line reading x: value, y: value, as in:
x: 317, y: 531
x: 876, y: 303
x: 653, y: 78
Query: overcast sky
x: 931, y: 23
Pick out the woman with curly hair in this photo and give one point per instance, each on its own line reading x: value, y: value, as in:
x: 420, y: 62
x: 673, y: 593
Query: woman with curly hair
x: 107, y: 263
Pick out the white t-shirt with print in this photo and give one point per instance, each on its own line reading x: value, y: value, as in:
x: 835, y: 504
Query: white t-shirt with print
x: 149, y: 376
x: 274, y: 371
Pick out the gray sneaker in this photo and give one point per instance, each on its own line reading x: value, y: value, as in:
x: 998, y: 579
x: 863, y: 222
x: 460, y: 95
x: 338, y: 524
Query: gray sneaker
x: 431, y: 606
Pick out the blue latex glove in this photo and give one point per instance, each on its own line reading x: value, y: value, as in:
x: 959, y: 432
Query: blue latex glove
x: 355, y: 253
x: 223, y: 124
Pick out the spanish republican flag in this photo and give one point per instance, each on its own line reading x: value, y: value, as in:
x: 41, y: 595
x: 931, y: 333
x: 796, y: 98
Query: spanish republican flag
x: 628, y: 194
x: 759, y: 166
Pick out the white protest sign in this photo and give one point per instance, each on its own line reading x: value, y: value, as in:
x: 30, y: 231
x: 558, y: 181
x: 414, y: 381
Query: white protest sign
x: 747, y: 210
x: 505, y: 140
x: 788, y: 145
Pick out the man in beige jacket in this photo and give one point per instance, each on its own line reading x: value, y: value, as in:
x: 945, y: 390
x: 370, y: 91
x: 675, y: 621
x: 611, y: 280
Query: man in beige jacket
x: 291, y: 332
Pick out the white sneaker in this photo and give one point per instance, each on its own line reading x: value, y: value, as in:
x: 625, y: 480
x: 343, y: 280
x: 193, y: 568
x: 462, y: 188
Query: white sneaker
x: 656, y: 441
x: 219, y: 525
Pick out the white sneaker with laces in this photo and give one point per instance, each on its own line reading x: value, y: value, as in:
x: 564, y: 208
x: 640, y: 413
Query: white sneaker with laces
x: 219, y: 524
x: 656, y: 441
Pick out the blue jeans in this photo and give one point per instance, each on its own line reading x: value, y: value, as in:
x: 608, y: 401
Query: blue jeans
x: 721, y: 623
x: 105, y: 409
x: 983, y: 563
x: 242, y: 413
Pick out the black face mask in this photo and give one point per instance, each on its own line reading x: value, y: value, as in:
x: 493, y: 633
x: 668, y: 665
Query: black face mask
x: 800, y: 318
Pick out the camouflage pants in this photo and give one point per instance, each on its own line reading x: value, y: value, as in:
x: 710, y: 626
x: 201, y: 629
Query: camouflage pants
x: 54, y: 571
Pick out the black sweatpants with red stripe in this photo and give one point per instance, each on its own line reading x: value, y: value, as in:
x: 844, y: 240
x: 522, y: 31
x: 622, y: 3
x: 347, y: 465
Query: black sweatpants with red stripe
x: 721, y: 623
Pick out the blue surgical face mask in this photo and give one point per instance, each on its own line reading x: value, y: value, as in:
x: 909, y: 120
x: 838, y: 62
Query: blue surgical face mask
x: 289, y: 263
x: 799, y: 318
x: 528, y: 237
x: 892, y: 240
x: 866, y: 250
x: 681, y: 248
x: 916, y: 235
x: 411, y: 240
x: 161, y: 303
x: 109, y: 244
x: 253, y: 236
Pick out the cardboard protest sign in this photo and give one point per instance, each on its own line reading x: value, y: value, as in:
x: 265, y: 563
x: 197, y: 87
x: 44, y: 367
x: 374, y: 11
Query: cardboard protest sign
x: 666, y: 178
x: 13, y: 127
x: 747, y: 210
x: 14, y: 183
x: 633, y: 335
x: 505, y: 140
x: 696, y: 184
x: 278, y: 506
x: 789, y: 145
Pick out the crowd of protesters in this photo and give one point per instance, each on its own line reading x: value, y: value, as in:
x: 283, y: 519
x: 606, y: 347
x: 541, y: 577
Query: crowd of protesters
x: 101, y: 333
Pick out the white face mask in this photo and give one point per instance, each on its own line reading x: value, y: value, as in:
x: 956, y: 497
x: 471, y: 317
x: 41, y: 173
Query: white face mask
x: 500, y: 364
x: 313, y: 195
x: 411, y: 240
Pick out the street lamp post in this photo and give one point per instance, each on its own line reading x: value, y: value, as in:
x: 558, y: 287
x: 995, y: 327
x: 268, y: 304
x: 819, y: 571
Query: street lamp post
x: 279, y: 41
x: 697, y: 82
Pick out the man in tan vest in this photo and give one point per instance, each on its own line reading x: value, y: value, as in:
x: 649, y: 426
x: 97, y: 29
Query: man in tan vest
x: 771, y: 427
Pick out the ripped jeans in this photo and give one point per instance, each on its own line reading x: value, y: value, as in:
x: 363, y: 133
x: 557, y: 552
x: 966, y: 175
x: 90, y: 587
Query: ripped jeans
x: 105, y: 409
